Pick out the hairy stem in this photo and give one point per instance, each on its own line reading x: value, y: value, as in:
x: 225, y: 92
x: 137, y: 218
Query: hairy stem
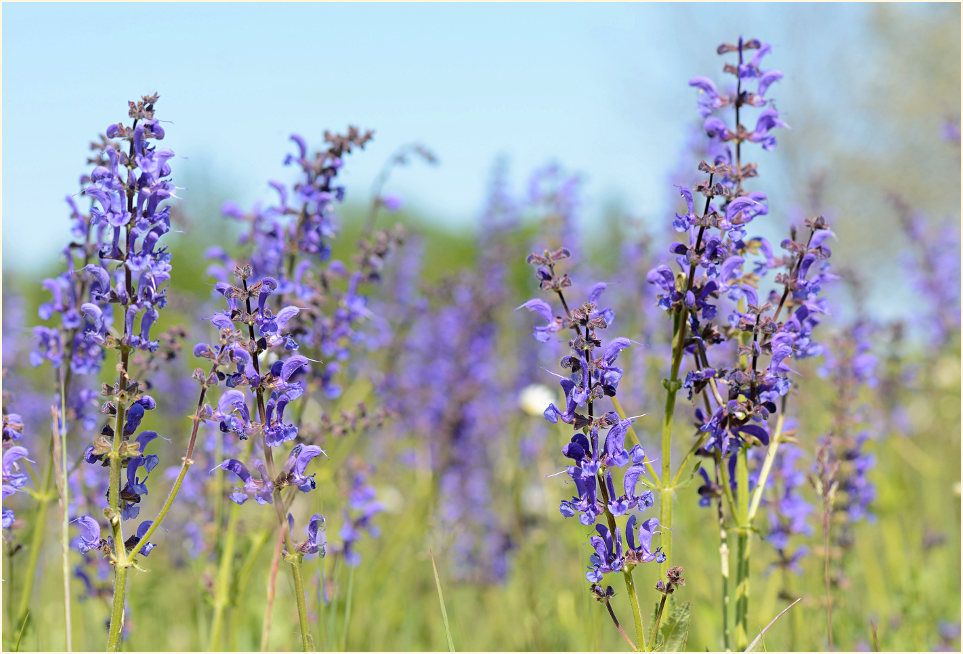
x: 743, y: 543
x: 114, y: 512
x: 307, y: 643
x: 658, y: 620
x: 117, y: 612
x: 636, y: 609
x: 723, y: 563
x: 294, y: 558
x: 665, y: 494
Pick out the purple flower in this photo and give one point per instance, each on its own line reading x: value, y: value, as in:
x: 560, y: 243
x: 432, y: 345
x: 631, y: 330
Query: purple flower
x: 13, y: 479
x: 609, y: 555
x: 643, y: 551
x: 260, y: 489
x: 295, y: 466
x: 315, y: 541
x: 89, y: 538
x: 553, y: 324
x: 591, y: 376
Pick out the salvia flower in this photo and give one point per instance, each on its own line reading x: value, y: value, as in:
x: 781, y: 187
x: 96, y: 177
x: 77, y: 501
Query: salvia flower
x: 315, y: 531
x: 13, y: 478
x: 592, y: 374
x: 716, y: 284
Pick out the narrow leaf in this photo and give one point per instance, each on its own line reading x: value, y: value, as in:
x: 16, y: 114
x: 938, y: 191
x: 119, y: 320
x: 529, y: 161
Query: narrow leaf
x: 757, y: 639
x: 441, y: 602
x: 26, y: 619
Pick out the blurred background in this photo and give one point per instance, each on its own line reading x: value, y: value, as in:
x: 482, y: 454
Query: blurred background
x: 871, y: 92
x: 601, y: 90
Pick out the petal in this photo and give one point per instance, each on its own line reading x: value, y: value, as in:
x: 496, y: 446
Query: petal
x: 238, y: 468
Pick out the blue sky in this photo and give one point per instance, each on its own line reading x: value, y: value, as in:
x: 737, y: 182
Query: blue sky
x: 598, y: 88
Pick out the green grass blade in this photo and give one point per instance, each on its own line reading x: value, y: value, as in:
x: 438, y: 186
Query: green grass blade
x: 757, y: 639
x: 441, y: 602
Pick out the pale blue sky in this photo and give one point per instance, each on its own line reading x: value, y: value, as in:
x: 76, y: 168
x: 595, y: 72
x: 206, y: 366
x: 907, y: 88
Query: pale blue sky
x: 599, y: 88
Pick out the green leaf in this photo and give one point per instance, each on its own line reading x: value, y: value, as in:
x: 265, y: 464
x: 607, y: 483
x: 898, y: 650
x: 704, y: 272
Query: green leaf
x: 675, y: 629
x: 441, y: 601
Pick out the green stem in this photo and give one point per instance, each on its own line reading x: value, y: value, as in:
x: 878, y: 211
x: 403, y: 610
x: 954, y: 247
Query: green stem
x: 117, y: 614
x: 765, y: 470
x: 744, y: 543
x: 727, y: 491
x: 636, y: 609
x: 36, y: 543
x: 223, y: 584
x: 271, y: 589
x: 723, y: 565
x: 113, y: 514
x: 658, y: 619
x: 60, y: 434
x: 671, y: 387
x: 306, y: 641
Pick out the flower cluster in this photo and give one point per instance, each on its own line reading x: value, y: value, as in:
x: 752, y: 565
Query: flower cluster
x: 247, y: 329
x: 277, y: 240
x: 90, y: 537
x: 288, y: 240
x: 720, y: 269
x: 128, y: 192
x: 323, y: 306
x: 128, y: 189
x: 591, y: 375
